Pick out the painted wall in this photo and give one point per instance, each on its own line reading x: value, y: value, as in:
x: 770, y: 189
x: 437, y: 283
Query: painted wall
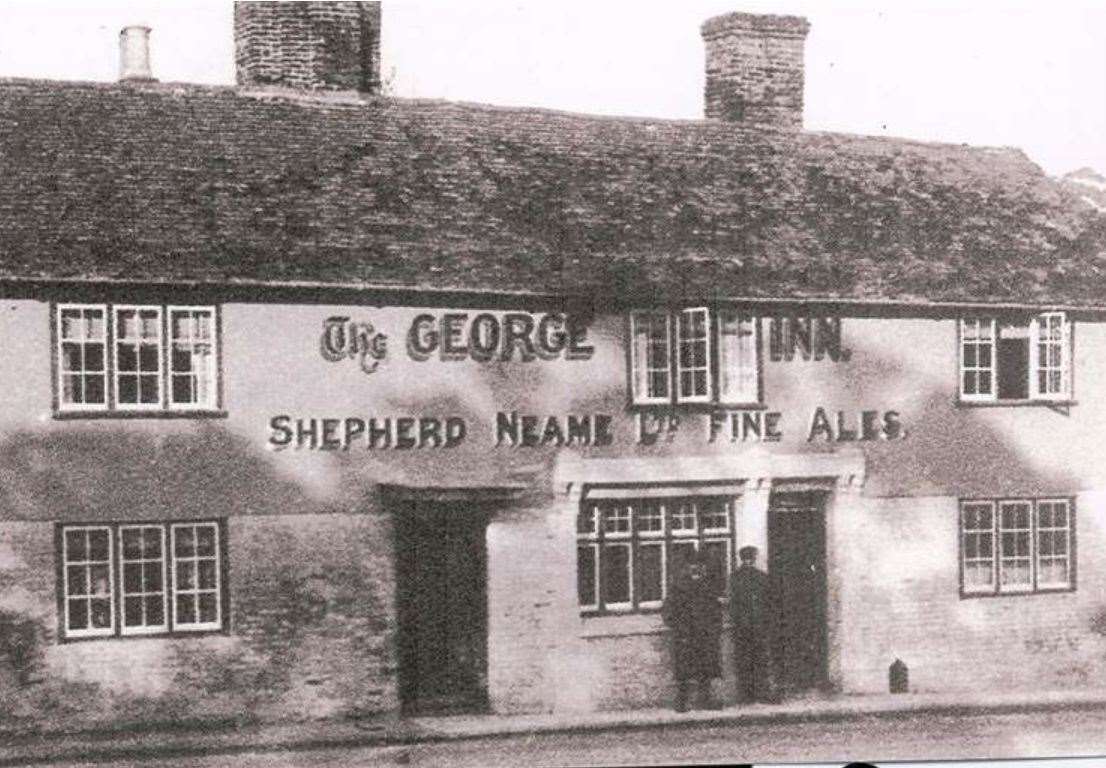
x: 283, y: 502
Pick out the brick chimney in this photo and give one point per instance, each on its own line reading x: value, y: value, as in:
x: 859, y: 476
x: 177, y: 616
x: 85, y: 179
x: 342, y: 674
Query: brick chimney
x: 308, y: 46
x: 755, y: 69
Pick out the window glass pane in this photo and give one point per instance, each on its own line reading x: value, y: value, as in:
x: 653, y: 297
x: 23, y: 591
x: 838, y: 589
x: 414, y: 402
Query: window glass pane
x: 98, y: 545
x: 75, y: 545
x: 183, y: 542
x: 651, y: 571
x: 714, y: 514
x: 615, y: 573
x: 683, y: 517
x: 616, y: 519
x: 650, y: 518
x: 100, y: 609
x: 78, y: 614
x: 77, y: 580
x: 186, y: 609
x: 585, y: 575
x: 208, y: 609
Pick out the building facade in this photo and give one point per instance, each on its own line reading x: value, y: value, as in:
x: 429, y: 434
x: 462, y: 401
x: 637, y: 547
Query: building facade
x: 325, y: 404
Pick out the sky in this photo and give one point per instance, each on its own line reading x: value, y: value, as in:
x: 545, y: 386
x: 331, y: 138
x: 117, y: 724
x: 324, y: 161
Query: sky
x: 1009, y: 73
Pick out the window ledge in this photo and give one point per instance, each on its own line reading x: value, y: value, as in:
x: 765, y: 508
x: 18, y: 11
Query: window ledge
x: 152, y: 414
x: 622, y: 624
x: 961, y: 403
x: 1019, y: 592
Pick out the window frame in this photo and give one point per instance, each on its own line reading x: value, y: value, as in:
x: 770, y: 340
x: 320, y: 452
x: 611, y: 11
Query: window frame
x: 116, y: 341
x: 64, y: 563
x: 58, y: 357
x: 1033, y: 325
x: 597, y: 538
x: 713, y: 340
x: 112, y: 407
x: 170, y: 628
x: 1035, y: 586
x: 144, y: 629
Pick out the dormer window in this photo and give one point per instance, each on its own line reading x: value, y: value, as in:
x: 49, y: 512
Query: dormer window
x: 1015, y: 360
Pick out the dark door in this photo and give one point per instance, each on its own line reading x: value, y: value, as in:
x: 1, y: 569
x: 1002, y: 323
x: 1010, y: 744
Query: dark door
x: 441, y: 591
x: 797, y: 570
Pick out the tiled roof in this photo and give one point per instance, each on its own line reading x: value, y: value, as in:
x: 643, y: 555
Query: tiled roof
x: 183, y: 183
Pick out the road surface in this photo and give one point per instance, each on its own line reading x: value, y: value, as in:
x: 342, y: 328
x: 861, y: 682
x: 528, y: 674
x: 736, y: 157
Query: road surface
x: 872, y: 739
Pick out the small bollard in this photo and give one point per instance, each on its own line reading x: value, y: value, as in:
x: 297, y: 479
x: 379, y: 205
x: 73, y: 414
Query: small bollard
x: 898, y: 677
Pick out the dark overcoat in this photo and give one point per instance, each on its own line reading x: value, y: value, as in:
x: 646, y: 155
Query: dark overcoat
x: 694, y: 614
x: 750, y: 602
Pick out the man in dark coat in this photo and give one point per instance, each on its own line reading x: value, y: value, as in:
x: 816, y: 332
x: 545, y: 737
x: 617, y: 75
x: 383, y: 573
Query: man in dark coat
x: 694, y: 613
x: 750, y: 614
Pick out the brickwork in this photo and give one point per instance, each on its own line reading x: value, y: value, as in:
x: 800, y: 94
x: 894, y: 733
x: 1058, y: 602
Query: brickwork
x: 310, y: 45
x: 311, y: 633
x: 908, y: 606
x: 755, y: 69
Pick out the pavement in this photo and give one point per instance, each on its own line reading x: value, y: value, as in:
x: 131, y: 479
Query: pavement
x: 230, y: 738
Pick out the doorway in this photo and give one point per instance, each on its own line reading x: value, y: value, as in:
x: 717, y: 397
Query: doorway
x: 442, y: 606
x: 797, y: 570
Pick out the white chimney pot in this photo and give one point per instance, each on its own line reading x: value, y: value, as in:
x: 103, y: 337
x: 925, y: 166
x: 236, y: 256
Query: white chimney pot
x: 134, y: 53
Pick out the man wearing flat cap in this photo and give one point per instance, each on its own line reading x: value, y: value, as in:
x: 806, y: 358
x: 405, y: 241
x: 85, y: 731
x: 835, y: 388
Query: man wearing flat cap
x: 750, y: 613
x: 693, y: 612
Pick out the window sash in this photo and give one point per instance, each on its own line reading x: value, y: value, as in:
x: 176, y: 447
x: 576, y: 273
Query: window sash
x: 980, y: 536
x: 202, y: 381
x: 145, y: 628
x: 1050, y: 356
x: 184, y: 596
x: 71, y: 564
x: 141, y: 376
x: 650, y: 342
x: 693, y: 334
x: 82, y: 374
x: 738, y: 359
x: 978, y: 369
x: 1054, y: 532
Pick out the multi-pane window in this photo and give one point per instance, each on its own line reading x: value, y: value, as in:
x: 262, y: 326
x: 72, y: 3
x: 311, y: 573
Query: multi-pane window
x: 87, y: 595
x: 696, y: 355
x: 196, y: 576
x: 142, y: 559
x: 693, y: 356
x: 1015, y: 359
x: 82, y: 369
x: 136, y: 358
x: 192, y: 364
x: 1016, y: 545
x: 651, y: 356
x: 630, y: 550
x: 141, y: 579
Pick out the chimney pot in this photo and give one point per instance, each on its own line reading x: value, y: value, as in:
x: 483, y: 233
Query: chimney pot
x: 134, y: 54
x: 755, y: 68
